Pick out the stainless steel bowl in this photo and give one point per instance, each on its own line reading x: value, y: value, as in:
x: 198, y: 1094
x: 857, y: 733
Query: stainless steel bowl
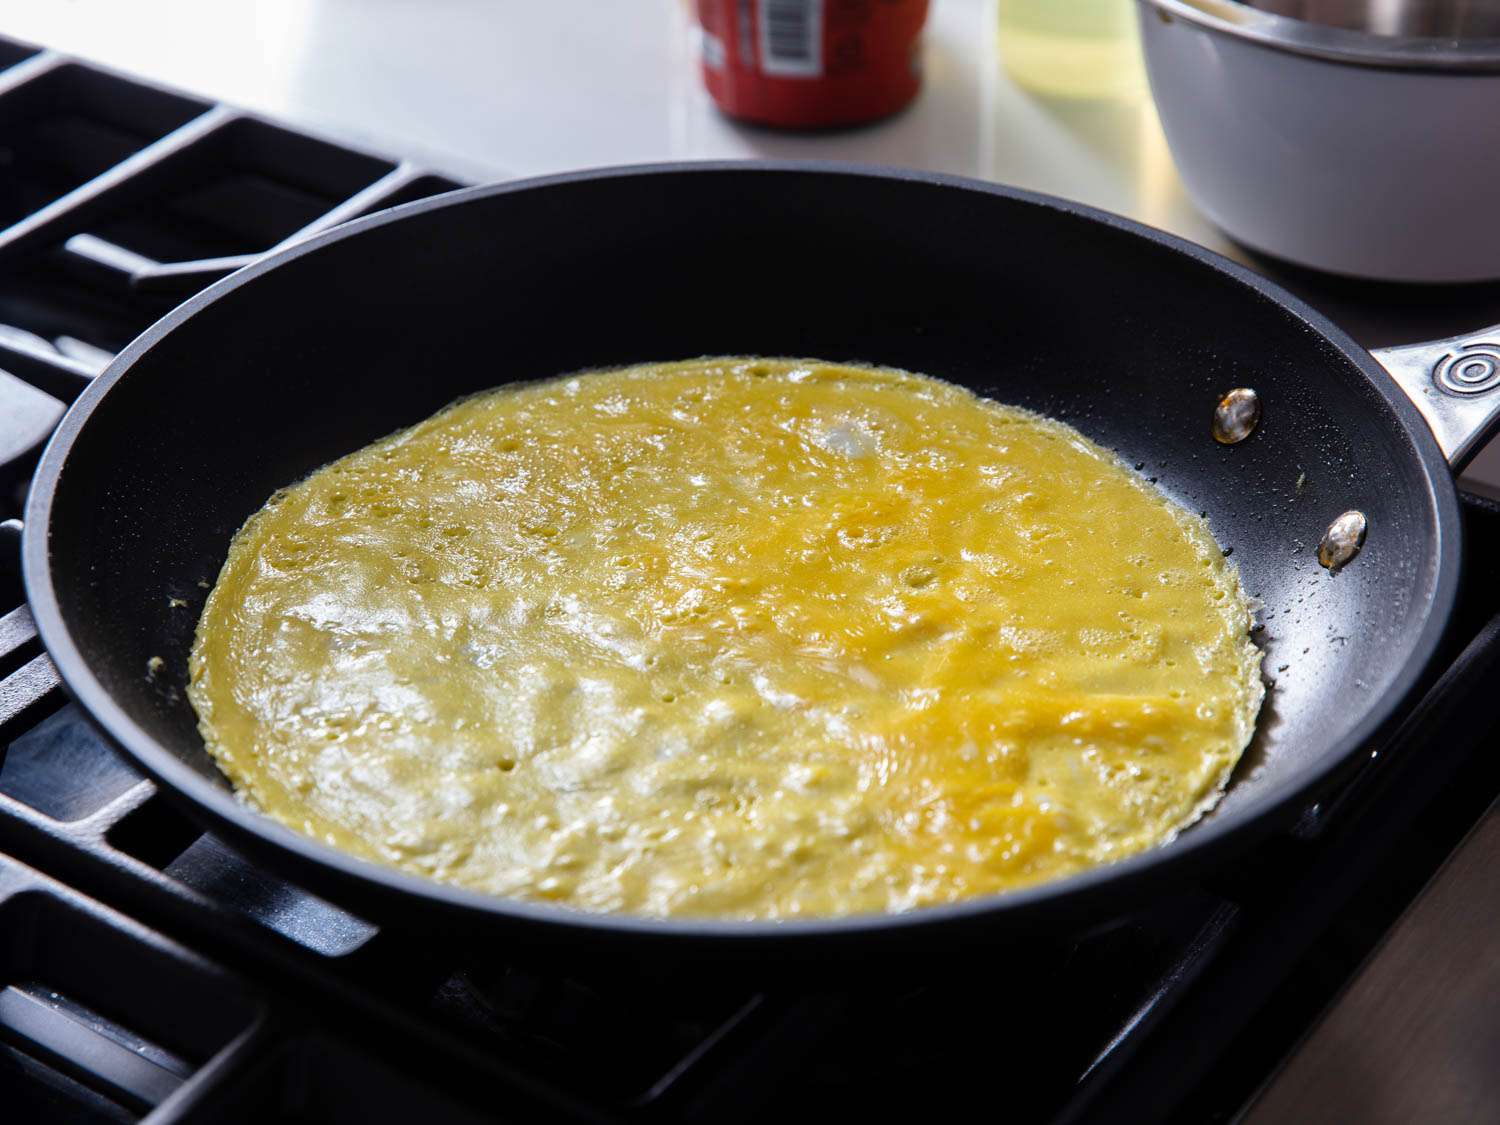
x: 1426, y: 19
x: 1356, y: 136
x: 1449, y: 35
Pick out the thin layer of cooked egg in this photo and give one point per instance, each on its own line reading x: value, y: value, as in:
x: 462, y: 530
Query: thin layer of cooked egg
x: 730, y: 637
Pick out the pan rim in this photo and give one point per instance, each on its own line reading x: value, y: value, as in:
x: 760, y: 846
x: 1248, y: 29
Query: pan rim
x: 1190, y: 851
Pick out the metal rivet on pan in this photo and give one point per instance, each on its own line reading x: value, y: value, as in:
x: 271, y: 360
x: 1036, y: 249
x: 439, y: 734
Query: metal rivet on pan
x: 1236, y: 416
x: 1343, y: 539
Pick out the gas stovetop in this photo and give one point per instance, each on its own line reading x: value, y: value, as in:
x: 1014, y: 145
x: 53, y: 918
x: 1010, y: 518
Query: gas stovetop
x: 148, y: 972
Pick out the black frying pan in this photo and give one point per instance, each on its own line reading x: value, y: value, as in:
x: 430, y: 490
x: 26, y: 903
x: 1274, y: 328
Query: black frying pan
x: 1125, y: 332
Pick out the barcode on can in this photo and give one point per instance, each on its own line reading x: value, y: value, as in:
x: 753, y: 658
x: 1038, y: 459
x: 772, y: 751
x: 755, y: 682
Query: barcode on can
x: 713, y: 51
x: 791, y: 38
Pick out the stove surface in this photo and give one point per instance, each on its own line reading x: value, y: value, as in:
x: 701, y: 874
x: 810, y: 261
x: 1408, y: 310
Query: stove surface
x: 151, y: 973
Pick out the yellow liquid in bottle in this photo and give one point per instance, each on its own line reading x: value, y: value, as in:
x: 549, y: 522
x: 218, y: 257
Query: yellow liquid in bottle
x: 1072, y: 48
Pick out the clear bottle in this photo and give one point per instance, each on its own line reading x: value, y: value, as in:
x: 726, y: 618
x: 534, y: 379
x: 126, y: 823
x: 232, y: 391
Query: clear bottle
x: 1073, y: 48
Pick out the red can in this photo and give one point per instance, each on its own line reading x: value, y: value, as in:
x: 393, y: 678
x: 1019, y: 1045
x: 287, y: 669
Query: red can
x: 809, y: 64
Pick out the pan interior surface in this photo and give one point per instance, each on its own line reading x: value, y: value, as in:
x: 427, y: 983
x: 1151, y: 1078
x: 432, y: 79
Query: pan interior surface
x: 1128, y: 338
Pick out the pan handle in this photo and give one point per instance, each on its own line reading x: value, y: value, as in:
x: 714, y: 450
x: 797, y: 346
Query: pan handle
x: 1455, y: 383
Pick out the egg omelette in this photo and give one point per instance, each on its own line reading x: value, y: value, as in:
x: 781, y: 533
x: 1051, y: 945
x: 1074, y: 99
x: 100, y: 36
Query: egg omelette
x: 732, y: 637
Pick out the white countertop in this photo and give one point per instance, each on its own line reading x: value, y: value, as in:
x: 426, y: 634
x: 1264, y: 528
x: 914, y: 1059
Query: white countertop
x: 490, y: 89
x: 494, y: 88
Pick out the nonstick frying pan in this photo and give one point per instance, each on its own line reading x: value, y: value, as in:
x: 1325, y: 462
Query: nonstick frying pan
x: 1127, y: 333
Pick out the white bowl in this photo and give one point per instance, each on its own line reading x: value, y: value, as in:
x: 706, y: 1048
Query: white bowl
x: 1369, y: 155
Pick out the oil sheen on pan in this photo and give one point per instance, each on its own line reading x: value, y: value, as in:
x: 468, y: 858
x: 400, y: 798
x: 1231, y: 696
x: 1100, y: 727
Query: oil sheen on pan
x: 737, y: 638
